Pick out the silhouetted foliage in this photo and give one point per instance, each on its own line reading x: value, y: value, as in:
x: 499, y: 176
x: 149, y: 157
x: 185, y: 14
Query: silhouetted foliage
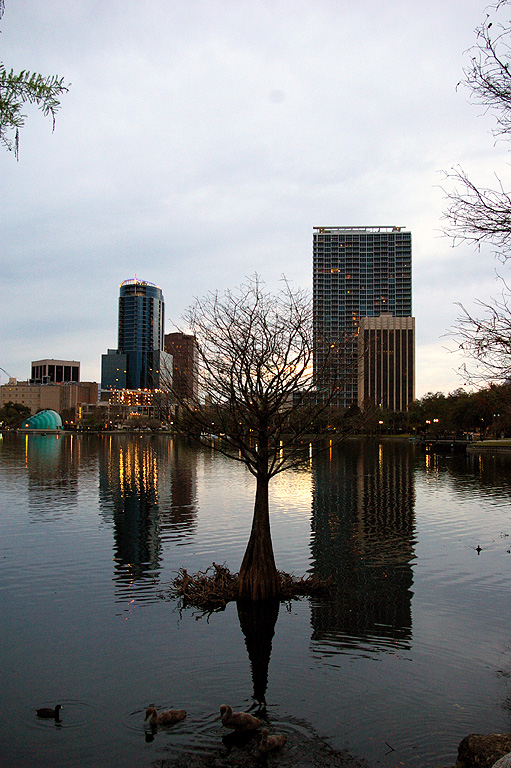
x: 13, y: 414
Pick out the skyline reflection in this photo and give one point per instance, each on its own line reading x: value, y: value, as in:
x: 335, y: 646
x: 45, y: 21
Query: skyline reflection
x: 363, y: 536
x: 53, y: 468
x: 147, y: 489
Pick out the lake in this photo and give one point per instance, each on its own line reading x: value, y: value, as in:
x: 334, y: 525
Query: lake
x: 410, y: 651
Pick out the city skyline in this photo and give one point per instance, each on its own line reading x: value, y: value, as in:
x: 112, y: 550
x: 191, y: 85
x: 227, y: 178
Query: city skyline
x: 198, y: 145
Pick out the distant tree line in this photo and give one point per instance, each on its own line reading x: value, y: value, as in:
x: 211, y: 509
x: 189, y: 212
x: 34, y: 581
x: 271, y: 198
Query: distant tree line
x: 13, y: 414
x: 486, y: 412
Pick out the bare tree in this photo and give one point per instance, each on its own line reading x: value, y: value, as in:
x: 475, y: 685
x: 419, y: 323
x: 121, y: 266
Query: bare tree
x: 478, y: 214
x: 255, y: 375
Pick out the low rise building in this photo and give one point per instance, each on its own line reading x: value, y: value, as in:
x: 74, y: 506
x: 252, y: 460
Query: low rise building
x: 56, y: 397
x: 51, y: 371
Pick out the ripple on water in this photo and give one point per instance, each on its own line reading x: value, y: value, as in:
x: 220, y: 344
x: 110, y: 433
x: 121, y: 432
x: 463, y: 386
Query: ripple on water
x: 203, y: 734
x: 197, y: 733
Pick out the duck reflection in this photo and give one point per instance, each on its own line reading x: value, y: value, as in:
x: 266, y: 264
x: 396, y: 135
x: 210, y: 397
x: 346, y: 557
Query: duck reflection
x: 363, y: 536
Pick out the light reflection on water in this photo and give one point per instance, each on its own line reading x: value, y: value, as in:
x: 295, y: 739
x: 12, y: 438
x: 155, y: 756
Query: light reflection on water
x: 411, y: 650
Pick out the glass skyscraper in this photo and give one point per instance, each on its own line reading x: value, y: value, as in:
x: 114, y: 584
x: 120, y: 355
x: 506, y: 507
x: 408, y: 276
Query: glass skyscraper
x: 135, y: 364
x: 362, y: 272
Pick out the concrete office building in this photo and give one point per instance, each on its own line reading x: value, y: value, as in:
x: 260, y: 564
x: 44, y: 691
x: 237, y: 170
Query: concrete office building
x: 57, y: 397
x: 183, y: 348
x: 362, y: 272
x: 386, y: 362
x: 139, y: 360
x: 55, y: 371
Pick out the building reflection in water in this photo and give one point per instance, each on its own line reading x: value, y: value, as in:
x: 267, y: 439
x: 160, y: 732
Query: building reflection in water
x: 363, y: 529
x: 52, y: 472
x: 178, y: 490
x: 148, y: 490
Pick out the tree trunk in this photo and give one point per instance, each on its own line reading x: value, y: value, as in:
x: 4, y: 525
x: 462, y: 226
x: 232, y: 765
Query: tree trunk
x: 258, y: 577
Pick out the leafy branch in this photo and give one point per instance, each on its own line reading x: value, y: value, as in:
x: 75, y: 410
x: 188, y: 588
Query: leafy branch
x: 26, y: 87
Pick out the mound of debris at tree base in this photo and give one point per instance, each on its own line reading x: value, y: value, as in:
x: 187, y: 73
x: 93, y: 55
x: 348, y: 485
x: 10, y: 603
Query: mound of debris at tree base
x: 213, y: 588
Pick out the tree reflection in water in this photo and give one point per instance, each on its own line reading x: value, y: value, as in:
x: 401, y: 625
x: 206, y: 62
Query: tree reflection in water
x: 257, y: 622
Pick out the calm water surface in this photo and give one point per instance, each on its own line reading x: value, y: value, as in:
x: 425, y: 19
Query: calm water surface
x: 411, y: 652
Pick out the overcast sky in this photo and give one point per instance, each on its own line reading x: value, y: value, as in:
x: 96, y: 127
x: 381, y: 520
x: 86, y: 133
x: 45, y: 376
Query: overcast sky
x: 200, y: 142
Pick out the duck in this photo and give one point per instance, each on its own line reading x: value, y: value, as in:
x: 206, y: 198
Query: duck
x: 272, y: 741
x: 167, y: 717
x: 240, y: 721
x: 49, y: 713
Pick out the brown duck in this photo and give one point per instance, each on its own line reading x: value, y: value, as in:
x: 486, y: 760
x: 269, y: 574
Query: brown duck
x: 270, y: 741
x: 240, y: 721
x: 167, y: 717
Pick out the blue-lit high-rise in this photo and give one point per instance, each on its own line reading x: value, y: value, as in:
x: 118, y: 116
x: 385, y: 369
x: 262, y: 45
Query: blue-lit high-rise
x: 136, y: 362
x: 362, y: 291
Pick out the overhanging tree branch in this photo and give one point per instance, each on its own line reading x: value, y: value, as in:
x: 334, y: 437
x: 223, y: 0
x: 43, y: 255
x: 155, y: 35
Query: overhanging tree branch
x: 486, y: 340
x: 22, y: 88
x: 477, y: 214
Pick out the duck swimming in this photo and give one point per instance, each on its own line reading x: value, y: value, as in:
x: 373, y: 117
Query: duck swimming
x: 167, y: 717
x: 49, y: 713
x: 271, y: 741
x: 240, y: 721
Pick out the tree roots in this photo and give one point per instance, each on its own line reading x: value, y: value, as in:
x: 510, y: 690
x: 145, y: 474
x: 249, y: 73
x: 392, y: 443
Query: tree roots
x: 212, y: 589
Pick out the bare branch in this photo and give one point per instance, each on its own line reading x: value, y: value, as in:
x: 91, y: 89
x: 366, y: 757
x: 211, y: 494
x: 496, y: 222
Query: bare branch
x: 478, y: 214
x: 255, y: 373
x: 486, y: 340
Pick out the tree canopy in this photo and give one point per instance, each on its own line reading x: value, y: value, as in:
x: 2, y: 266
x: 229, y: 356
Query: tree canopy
x: 12, y: 414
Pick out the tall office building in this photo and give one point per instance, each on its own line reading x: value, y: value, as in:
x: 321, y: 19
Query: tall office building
x: 364, y: 272
x: 139, y: 359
